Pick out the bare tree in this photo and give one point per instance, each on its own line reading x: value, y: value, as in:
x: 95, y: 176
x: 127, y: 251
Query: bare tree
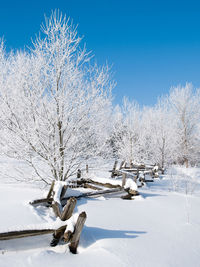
x: 159, y: 134
x: 185, y: 104
x: 54, y: 103
x: 127, y: 131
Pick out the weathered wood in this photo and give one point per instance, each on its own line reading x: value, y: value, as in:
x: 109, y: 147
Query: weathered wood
x: 59, y: 230
x: 57, y: 208
x: 29, y: 232
x: 91, y: 186
x: 67, y: 236
x: 98, y: 193
x: 108, y: 185
x: 57, y: 235
x: 77, y: 232
x: 114, y: 168
x: 123, y: 179
x: 90, y: 181
x: 66, y: 212
x: 78, y: 174
x: 90, y: 194
x: 68, y: 209
x: 87, y: 168
x: 64, y: 190
x: 133, y: 192
x: 137, y: 176
x: 24, y: 233
x: 121, y: 165
x: 40, y: 201
x: 51, y: 190
x: 128, y: 197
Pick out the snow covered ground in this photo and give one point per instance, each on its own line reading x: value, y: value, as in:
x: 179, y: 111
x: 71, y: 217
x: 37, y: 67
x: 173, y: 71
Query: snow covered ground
x: 161, y: 228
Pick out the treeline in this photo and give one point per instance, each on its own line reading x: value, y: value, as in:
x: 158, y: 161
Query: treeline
x: 167, y: 133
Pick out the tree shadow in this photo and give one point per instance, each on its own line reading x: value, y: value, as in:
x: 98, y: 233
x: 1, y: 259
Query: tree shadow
x: 90, y: 235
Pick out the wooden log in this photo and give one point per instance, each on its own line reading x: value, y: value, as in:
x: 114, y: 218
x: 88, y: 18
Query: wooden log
x: 63, y: 192
x: 98, y: 193
x: 57, y: 208
x: 68, y: 209
x: 137, y: 176
x: 29, y: 232
x: 87, y: 168
x: 121, y: 165
x: 24, y: 233
x: 90, y: 181
x: 90, y: 194
x: 66, y: 212
x: 51, y: 190
x: 57, y: 236
x: 123, y: 179
x: 114, y: 168
x: 67, y: 236
x: 103, y: 184
x: 77, y: 233
x: 91, y: 186
x: 133, y: 192
x: 78, y: 174
x: 41, y: 201
x: 128, y: 197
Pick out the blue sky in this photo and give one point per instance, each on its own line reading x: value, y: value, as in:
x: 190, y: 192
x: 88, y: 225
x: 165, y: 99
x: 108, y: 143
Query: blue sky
x: 152, y: 45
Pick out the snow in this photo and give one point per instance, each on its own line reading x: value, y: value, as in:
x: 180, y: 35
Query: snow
x: 71, y: 223
x: 160, y: 229
x: 131, y: 184
x: 57, y: 190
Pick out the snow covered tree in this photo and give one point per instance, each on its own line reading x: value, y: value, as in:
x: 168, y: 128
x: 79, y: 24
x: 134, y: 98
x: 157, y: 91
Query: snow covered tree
x: 159, y: 134
x: 55, y: 104
x: 127, y: 132
x: 185, y: 104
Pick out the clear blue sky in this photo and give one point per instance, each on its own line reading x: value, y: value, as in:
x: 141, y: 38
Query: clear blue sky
x: 151, y: 44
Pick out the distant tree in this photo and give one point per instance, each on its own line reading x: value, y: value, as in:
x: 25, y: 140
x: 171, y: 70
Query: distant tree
x: 55, y: 105
x: 127, y: 132
x: 185, y: 104
x: 159, y: 134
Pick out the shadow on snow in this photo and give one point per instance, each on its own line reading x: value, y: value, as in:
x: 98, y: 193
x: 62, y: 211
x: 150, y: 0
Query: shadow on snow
x: 91, y: 235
